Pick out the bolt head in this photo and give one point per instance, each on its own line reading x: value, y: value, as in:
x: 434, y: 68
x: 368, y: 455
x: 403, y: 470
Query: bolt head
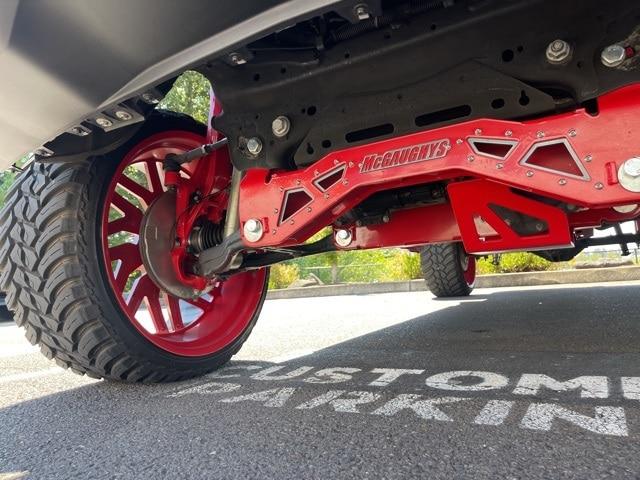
x: 362, y: 12
x: 253, y: 229
x: 632, y: 167
x: 559, y: 52
x: 280, y: 126
x: 104, y: 122
x: 613, y: 56
x: 237, y: 59
x: 343, y: 238
x: 150, y: 98
x: 123, y: 115
x: 254, y: 145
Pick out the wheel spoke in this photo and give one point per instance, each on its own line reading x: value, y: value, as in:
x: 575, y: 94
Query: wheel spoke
x: 174, y: 312
x: 155, y: 309
x: 130, y: 260
x: 154, y: 177
x: 137, y: 189
x: 127, y: 208
x: 145, y: 290
x: 198, y: 302
x: 128, y: 223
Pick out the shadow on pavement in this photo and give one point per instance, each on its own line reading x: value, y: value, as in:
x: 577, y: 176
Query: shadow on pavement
x: 563, y: 332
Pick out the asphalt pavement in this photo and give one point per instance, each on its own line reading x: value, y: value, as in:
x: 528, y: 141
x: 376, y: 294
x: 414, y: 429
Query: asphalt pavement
x: 540, y: 382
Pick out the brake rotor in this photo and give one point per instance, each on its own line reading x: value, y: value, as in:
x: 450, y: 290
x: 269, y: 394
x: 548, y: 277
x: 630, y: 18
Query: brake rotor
x: 157, y: 239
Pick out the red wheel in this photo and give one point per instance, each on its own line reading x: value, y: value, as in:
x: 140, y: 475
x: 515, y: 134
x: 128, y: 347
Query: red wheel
x: 99, y: 311
x: 191, y: 326
x: 468, y: 264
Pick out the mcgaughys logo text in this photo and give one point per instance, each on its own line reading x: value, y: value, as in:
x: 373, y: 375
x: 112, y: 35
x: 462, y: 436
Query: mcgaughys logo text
x: 403, y: 156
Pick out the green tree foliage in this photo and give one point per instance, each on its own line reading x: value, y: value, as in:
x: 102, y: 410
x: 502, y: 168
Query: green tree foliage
x: 189, y: 95
x: 515, y: 262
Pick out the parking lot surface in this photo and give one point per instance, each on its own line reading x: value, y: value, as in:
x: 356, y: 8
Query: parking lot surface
x: 509, y: 383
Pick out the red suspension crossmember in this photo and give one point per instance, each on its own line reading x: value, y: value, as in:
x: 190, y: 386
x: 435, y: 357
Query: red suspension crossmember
x: 487, y: 164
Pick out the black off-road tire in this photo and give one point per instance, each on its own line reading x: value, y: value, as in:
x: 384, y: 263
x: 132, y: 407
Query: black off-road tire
x: 443, y: 269
x: 55, y: 281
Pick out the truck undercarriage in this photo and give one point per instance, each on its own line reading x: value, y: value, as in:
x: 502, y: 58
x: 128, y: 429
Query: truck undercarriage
x: 475, y: 126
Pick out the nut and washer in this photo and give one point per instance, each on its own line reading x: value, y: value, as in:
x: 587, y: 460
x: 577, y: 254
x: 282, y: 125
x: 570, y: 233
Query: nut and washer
x: 632, y: 167
x: 629, y: 175
x: 613, y: 56
x: 280, y: 126
x: 559, y: 52
x: 343, y: 238
x: 253, y: 230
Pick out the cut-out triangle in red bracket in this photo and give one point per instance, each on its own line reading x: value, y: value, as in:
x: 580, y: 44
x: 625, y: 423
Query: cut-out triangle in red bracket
x: 471, y: 200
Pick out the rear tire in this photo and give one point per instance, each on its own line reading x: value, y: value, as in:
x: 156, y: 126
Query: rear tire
x: 53, y: 273
x: 448, y: 270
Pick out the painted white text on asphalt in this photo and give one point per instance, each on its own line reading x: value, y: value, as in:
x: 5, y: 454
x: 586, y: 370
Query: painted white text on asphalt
x: 536, y: 415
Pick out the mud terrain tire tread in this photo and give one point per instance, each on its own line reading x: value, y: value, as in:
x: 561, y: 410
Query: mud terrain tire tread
x: 442, y: 270
x: 50, y: 273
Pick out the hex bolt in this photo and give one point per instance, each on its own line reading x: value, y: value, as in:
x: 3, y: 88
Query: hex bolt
x: 237, y: 59
x: 150, y: 98
x: 361, y: 12
x: 254, y: 146
x: 559, y: 52
x: 632, y: 167
x: 343, y: 238
x: 280, y: 126
x: 253, y: 230
x: 104, y: 122
x: 613, y: 56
